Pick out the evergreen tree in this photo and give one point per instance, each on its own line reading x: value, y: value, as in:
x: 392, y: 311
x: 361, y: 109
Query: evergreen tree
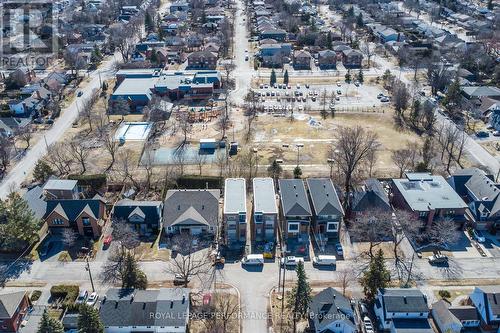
x: 360, y: 76
x: 376, y: 276
x: 42, y: 171
x: 154, y: 57
x: 275, y: 170
x: 453, y: 94
x: 350, y: 12
x: 285, y: 77
x: 490, y: 4
x: 359, y: 20
x: 300, y: 296
x: 297, y: 172
x: 49, y: 324
x: 272, y: 80
x: 88, y: 320
x: 348, y: 76
x: 132, y: 276
x: 149, y: 23
x: 20, y: 227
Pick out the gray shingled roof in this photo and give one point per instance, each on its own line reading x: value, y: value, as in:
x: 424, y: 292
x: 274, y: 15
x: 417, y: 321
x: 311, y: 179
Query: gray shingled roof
x: 412, y: 326
x: 294, y: 198
x: 441, y: 313
x: 149, y: 210
x: 124, y: 307
x: 9, y: 303
x: 404, y: 300
x: 324, y: 197
x: 194, y: 206
x: 371, y: 196
x: 37, y: 204
x: 492, y: 296
x: 483, y: 188
x: 329, y: 306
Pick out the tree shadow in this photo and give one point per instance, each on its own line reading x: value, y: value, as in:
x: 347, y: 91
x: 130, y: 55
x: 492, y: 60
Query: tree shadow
x: 13, y: 270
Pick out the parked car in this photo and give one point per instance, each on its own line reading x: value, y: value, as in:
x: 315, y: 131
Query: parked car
x: 339, y: 92
x: 107, y: 241
x: 384, y: 99
x: 80, y: 93
x: 379, y: 96
x: 291, y: 261
x: 178, y: 279
x: 339, y: 250
x: 246, y: 58
x: 482, y: 134
x: 324, y: 260
x: 339, y: 84
x: 92, y: 299
x: 82, y: 297
x: 437, y: 258
x: 253, y: 259
x: 478, y: 236
x: 356, y: 83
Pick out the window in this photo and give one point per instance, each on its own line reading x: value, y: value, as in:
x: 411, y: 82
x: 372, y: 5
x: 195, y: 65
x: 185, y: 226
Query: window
x: 293, y: 227
x: 258, y: 218
x: 243, y: 218
x: 269, y: 225
x: 422, y: 214
x: 86, y: 221
x: 57, y: 222
x: 332, y: 227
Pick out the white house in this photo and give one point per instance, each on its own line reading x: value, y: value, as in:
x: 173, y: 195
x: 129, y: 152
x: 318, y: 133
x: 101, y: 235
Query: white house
x: 235, y: 210
x: 401, y: 309
x: 330, y: 311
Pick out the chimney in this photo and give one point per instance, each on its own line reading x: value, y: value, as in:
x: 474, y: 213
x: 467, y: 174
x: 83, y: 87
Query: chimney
x: 38, y: 94
x: 183, y: 299
x: 116, y: 304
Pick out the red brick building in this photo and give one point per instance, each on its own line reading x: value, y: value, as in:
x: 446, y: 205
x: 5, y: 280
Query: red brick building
x: 13, y: 309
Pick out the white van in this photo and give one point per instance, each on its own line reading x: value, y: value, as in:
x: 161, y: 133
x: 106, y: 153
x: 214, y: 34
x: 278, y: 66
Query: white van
x: 323, y: 260
x: 253, y: 259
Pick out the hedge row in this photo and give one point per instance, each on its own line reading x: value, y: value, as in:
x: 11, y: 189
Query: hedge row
x: 199, y: 182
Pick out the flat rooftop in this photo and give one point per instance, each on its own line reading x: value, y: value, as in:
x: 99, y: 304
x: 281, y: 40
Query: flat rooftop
x: 264, y: 196
x: 235, y: 196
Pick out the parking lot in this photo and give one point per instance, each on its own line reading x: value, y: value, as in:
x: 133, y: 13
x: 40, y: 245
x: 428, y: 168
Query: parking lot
x: 283, y: 98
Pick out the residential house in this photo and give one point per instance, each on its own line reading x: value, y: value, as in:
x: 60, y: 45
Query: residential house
x: 277, y: 34
x: 327, y: 59
x: 275, y: 55
x: 10, y: 126
x: 202, y: 60
x: 179, y: 6
x: 369, y: 197
x: 388, y: 34
x: 326, y: 208
x: 331, y: 312
x: 475, y: 92
x: 428, y: 196
x: 486, y: 299
x: 163, y: 310
x: 85, y: 216
x: 144, y: 216
x: 235, y: 210
x: 191, y: 211
x: 402, y: 310
x: 13, y: 308
x: 481, y: 193
x: 494, y: 111
x: 352, y: 58
x: 265, y: 210
x: 296, y: 214
x: 301, y: 59
x: 454, y: 318
x: 35, y: 199
x: 61, y: 189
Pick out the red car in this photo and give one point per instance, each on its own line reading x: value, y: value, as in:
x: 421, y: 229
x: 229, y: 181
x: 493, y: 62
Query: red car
x: 107, y: 241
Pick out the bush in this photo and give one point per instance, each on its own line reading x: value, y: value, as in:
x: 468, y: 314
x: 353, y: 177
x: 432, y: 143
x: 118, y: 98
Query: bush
x: 198, y: 182
x: 35, y: 295
x: 68, y: 293
x: 444, y: 294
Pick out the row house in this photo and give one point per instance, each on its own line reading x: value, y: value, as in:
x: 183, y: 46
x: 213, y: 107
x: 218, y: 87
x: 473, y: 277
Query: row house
x: 265, y: 210
x: 235, y: 211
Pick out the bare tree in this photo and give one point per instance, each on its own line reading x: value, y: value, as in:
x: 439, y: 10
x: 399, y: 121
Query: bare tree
x: 124, y: 169
x: 124, y: 234
x: 121, y: 36
x: 59, y: 156
x: 5, y: 154
x: 185, y: 126
x: 26, y: 135
x: 69, y: 237
x: 371, y: 160
x: 347, y: 276
x: 251, y: 109
x: 351, y: 149
x: 441, y: 233
x: 368, y: 50
x: 200, y: 161
x: 404, y: 159
x: 188, y: 263
x: 80, y: 152
x: 226, y: 306
x: 400, y: 97
x: 111, y: 145
x: 374, y: 229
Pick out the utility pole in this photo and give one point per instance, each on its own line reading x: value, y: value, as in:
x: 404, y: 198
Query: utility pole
x: 90, y: 273
x: 283, y: 293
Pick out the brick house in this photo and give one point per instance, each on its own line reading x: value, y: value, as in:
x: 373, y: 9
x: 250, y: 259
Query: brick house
x: 352, y: 58
x: 86, y: 216
x: 327, y: 59
x: 301, y: 60
x: 13, y: 309
x: 202, y: 60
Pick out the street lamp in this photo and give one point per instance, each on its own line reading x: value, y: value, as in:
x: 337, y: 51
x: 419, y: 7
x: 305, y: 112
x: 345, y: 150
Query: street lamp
x: 87, y: 268
x: 298, y: 145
